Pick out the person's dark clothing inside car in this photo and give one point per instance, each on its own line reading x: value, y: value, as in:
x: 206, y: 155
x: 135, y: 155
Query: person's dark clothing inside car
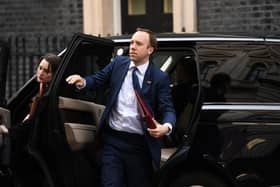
x: 219, y: 85
x: 184, y: 90
x: 184, y: 94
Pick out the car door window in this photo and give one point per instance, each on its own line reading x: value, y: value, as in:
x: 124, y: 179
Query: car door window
x: 241, y: 106
x: 86, y: 60
x: 239, y: 72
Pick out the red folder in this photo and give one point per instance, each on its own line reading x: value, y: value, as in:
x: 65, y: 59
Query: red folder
x: 145, y: 112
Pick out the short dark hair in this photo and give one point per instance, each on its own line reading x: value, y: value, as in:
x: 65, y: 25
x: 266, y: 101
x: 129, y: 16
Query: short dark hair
x: 220, y: 79
x: 188, y: 64
x: 53, y: 61
x: 153, y: 37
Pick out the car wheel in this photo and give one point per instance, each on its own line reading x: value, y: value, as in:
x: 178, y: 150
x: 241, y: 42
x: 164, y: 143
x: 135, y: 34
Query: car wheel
x: 198, y: 179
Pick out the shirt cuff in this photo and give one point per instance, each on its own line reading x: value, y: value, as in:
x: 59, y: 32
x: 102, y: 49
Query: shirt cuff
x: 170, y: 128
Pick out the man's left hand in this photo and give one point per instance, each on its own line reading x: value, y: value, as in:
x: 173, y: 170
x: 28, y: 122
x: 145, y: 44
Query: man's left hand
x: 159, y: 131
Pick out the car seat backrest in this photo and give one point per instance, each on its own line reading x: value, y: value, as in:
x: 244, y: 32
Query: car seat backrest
x: 78, y: 134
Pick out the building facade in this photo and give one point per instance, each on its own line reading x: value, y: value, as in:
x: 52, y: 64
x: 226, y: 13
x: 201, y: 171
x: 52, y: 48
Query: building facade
x: 114, y: 17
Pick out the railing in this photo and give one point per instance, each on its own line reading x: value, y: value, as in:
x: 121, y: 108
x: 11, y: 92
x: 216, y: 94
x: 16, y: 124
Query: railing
x: 24, y: 57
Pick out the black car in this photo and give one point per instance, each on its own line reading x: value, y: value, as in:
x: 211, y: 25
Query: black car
x: 227, y: 132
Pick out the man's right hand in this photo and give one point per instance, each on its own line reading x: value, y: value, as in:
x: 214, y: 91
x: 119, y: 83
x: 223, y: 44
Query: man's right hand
x: 77, y: 80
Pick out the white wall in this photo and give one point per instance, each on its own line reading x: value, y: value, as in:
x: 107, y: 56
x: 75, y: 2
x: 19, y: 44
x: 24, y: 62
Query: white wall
x: 184, y: 16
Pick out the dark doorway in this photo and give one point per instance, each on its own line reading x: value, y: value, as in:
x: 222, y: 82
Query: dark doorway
x: 155, y: 15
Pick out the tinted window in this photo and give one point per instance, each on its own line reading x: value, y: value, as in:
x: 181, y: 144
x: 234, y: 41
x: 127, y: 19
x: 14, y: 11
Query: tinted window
x: 240, y: 72
x: 86, y: 60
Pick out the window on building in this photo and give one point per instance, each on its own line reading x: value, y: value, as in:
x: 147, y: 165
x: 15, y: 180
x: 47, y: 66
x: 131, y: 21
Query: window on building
x: 136, y: 7
x: 167, y: 6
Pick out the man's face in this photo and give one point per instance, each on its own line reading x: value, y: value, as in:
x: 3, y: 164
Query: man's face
x: 140, y: 49
x: 44, y: 73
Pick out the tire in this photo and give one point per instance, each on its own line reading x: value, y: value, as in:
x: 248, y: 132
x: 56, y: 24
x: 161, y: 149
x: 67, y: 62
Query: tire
x: 198, y: 179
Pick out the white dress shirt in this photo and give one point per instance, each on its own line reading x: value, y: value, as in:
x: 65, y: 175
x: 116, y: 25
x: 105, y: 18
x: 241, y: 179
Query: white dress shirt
x: 124, y: 115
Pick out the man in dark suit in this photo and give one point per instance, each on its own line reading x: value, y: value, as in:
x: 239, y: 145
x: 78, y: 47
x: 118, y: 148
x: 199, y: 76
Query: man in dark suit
x: 130, y: 149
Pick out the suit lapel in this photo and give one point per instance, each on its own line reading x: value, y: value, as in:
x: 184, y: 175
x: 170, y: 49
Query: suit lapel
x: 119, y: 76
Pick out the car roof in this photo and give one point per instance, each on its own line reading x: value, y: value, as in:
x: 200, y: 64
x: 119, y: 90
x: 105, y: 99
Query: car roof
x: 181, y: 37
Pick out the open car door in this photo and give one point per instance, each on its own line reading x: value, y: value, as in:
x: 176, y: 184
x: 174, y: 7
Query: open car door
x: 4, y: 114
x: 63, y: 126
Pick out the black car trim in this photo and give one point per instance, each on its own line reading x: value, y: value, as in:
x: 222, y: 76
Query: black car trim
x: 272, y: 40
x: 247, y: 106
x: 210, y: 39
x: 197, y: 39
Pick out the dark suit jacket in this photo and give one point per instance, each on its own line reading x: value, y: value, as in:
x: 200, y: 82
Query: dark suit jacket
x: 155, y: 92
